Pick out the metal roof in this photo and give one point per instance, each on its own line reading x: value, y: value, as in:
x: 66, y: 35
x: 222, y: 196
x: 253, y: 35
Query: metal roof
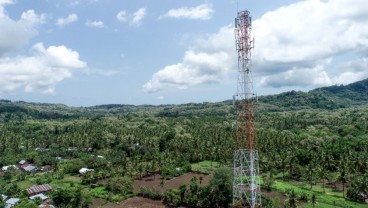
x: 39, y: 189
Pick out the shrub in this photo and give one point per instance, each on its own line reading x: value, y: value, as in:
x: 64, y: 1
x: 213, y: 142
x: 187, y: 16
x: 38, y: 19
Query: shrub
x: 172, y: 197
x: 123, y: 185
x: 303, y: 196
x: 168, y: 171
x: 99, y: 192
x: 149, y: 193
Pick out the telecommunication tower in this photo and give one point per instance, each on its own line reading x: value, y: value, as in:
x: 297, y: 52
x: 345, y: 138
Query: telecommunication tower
x: 246, y: 181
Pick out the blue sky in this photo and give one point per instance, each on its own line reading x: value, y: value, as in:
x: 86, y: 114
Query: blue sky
x: 90, y: 52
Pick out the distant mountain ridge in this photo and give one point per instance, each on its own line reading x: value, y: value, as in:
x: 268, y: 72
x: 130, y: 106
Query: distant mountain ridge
x: 333, y: 97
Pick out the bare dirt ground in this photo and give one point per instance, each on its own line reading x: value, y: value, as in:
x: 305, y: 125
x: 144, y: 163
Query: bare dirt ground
x: 135, y: 202
x: 154, y: 181
x: 281, y: 197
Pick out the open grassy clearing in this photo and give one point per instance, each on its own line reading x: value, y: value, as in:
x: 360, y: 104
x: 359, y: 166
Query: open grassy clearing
x: 330, y: 198
x: 205, y: 167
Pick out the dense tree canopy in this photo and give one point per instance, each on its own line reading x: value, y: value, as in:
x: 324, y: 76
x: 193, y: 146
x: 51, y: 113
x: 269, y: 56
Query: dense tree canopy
x: 298, y: 135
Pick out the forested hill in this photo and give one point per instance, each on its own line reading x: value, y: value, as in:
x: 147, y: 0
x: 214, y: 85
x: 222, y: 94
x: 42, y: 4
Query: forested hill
x: 332, y: 97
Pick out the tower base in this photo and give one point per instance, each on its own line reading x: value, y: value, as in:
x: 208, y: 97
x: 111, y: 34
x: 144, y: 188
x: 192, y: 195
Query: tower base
x: 246, y: 182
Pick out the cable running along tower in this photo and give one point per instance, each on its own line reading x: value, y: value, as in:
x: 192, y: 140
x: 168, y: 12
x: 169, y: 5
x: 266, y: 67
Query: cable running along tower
x: 246, y: 182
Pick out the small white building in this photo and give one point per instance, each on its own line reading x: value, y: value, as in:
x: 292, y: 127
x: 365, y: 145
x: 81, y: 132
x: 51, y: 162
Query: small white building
x: 43, y: 197
x: 5, y: 168
x: 5, y: 197
x: 85, y: 170
x: 30, y: 168
x: 22, y: 162
x: 11, y: 202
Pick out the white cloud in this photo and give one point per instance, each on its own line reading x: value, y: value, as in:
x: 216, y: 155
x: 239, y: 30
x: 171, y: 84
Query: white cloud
x: 297, y: 76
x: 2, y: 3
x: 135, y: 19
x: 301, y: 44
x: 103, y: 72
x: 67, y: 20
x: 201, y: 12
x: 122, y: 16
x: 32, y: 18
x: 96, y: 24
x: 40, y: 72
x: 138, y: 17
x: 352, y: 71
x: 74, y: 3
x: 304, y: 34
x: 209, y: 61
x: 15, y: 33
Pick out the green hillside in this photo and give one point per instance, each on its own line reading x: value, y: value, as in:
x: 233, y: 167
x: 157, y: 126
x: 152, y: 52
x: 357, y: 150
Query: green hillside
x: 328, y: 98
x: 310, y: 143
x: 332, y: 97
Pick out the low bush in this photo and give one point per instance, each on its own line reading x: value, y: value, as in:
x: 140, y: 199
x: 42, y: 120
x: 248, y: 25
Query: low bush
x: 149, y: 193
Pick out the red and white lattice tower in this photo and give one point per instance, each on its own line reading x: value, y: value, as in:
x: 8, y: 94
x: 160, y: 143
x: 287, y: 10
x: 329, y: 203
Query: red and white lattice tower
x: 246, y: 182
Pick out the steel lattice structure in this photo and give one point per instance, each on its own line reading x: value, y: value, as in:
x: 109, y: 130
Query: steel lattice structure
x: 246, y: 182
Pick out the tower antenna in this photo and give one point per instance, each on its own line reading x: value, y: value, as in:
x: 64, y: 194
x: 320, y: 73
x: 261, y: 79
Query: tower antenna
x: 246, y: 181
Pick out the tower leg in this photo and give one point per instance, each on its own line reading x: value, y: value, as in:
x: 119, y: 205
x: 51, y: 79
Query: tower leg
x: 246, y: 181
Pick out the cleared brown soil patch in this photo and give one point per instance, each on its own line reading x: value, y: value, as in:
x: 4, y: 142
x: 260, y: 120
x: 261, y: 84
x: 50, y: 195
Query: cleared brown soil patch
x: 97, y: 202
x: 154, y: 183
x: 275, y: 195
x: 135, y: 202
x: 155, y: 180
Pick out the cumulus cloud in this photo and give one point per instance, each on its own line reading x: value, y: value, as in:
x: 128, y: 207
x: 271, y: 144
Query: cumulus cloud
x: 297, y: 76
x: 138, y: 17
x: 298, y: 37
x: 67, y: 20
x: 2, y: 3
x: 352, y: 71
x: 30, y: 17
x: 15, y: 33
x: 206, y: 62
x: 40, y: 72
x: 74, y: 3
x: 135, y: 19
x: 301, y: 44
x: 122, y: 16
x: 201, y: 12
x: 96, y: 24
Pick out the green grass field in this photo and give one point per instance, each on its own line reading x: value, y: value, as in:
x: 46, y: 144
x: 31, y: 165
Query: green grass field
x: 328, y: 199
x: 205, y: 167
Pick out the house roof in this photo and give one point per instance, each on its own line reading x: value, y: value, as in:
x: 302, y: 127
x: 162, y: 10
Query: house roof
x: 46, y: 206
x: 4, y: 197
x: 22, y: 162
x: 12, y: 201
x: 46, y: 167
x: 30, y: 168
x: 41, y: 196
x: 84, y: 170
x: 5, y: 168
x: 39, y: 189
x: 59, y: 158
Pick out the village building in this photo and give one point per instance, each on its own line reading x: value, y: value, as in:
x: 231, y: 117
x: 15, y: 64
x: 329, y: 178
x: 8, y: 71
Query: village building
x: 85, y: 170
x: 43, y: 197
x: 22, y: 162
x: 5, y: 168
x: 34, y: 190
x: 28, y: 167
x: 45, y: 168
x: 11, y: 202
